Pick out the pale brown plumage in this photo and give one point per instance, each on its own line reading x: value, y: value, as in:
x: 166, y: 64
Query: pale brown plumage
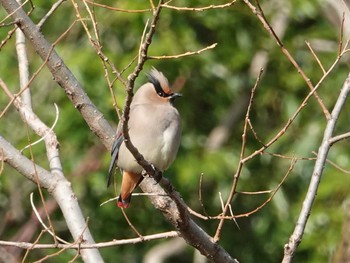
x: 154, y: 129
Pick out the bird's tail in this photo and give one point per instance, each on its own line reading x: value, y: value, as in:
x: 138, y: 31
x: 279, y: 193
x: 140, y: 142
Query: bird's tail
x: 129, y: 183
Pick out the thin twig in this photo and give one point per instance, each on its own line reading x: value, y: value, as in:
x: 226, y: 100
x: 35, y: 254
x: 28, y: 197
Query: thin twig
x: 51, y: 129
x: 260, y: 14
x: 77, y: 242
x: 42, y: 222
x: 200, y: 194
x: 232, y: 216
x: 241, y: 163
x: 9, y: 35
x: 274, y: 191
x: 53, y: 8
x: 341, y: 34
x: 188, y: 53
x: 339, y: 138
x: 199, y: 9
x: 26, y: 245
x: 133, y: 195
x: 20, y: 6
x: 255, y: 133
x: 336, y: 166
x: 315, y: 56
x: 36, y: 242
x: 131, y: 225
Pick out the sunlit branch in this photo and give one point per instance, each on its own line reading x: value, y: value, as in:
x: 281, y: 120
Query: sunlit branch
x: 188, y: 53
x: 316, y: 57
x: 53, y: 8
x: 296, y: 237
x: 26, y: 245
x: 199, y: 9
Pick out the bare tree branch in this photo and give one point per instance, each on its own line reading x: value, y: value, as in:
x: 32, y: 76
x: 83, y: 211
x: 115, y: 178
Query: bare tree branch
x: 295, y: 239
x: 339, y: 138
x: 48, y: 14
x: 179, y: 8
x: 188, y: 53
x: 84, y: 246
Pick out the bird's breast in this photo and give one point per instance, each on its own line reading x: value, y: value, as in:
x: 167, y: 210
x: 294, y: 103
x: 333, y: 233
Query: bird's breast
x: 156, y: 134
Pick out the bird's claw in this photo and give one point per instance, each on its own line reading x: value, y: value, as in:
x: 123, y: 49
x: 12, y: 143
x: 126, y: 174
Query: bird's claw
x: 157, y: 174
x: 144, y: 173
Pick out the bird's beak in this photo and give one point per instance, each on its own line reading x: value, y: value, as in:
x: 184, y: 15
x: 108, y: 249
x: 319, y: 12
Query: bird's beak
x: 175, y: 95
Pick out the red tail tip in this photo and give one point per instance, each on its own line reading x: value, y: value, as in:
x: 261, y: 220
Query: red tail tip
x: 123, y: 203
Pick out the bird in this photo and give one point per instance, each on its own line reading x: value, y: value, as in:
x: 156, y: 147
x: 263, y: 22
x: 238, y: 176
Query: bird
x: 154, y: 129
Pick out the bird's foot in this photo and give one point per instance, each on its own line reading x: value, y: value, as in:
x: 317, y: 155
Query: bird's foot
x: 157, y: 174
x: 144, y: 174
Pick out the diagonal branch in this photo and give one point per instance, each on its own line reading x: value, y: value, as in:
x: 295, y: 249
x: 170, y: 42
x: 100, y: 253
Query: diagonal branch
x: 295, y: 239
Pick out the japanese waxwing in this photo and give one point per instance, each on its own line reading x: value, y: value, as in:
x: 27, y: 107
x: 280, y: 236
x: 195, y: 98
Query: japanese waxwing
x: 154, y: 129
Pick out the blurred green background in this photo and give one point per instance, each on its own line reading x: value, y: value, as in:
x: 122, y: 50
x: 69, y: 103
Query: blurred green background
x: 217, y: 85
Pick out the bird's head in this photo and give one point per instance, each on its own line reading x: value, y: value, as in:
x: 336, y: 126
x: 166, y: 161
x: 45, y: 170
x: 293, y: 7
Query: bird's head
x: 157, y: 90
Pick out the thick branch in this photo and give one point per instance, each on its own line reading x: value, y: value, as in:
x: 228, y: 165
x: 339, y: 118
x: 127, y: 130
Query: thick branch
x: 170, y: 203
x: 295, y: 239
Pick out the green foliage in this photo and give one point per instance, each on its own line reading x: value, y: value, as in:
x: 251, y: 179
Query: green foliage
x: 215, y: 79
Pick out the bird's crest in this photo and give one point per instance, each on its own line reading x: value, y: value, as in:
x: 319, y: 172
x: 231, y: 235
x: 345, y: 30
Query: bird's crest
x: 160, y: 83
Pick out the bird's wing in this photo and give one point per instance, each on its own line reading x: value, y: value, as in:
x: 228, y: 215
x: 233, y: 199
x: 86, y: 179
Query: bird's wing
x: 114, y: 153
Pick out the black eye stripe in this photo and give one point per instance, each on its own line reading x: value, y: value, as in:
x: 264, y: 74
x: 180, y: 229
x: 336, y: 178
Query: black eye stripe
x: 157, y: 86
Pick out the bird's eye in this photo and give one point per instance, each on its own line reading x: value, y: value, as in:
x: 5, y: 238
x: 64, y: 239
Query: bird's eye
x: 158, y: 87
